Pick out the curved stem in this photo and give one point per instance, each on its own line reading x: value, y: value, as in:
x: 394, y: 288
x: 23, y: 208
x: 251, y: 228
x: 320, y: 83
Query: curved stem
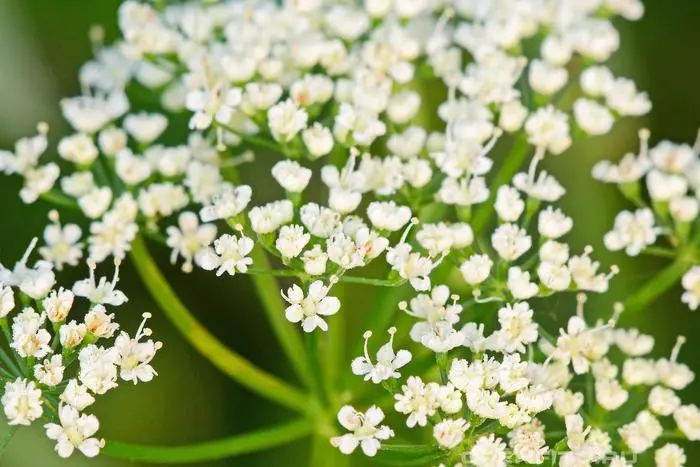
x: 228, y: 361
x: 268, y: 290
x: 657, y: 285
x: 212, y: 450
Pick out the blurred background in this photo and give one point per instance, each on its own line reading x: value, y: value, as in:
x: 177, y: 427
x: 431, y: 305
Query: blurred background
x: 42, y: 45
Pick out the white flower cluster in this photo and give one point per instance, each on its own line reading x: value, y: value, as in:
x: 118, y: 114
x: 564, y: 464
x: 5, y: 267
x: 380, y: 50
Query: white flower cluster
x: 62, y: 354
x: 397, y: 111
x: 663, y: 184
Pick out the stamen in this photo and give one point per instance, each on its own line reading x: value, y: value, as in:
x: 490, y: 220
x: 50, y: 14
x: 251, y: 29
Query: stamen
x: 42, y: 128
x: 539, y: 155
x: 618, y: 308
x: 580, y: 300
x: 404, y: 236
x: 614, y: 271
x: 115, y: 278
x: 497, y: 133
x: 141, y: 331
x: 677, y: 348
x: 53, y: 216
x: 28, y: 251
x: 644, y: 135
x: 366, y: 336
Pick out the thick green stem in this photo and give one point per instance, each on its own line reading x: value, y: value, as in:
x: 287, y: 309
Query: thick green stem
x: 656, y: 286
x: 228, y: 361
x: 268, y: 289
x: 228, y: 447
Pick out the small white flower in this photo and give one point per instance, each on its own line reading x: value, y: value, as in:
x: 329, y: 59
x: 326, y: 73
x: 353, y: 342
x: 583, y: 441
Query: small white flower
x: 510, y: 241
x: 268, y: 218
x: 387, y: 361
x: 687, y: 417
x: 632, y: 232
x: 22, y: 402
x: 509, y: 206
x: 592, y: 117
x: 62, y: 243
x: 101, y: 292
x: 488, y: 451
x: 310, y: 309
x: 641, y: 434
x: 291, y: 176
x: 545, y: 78
x: 449, y: 433
x: 77, y: 395
x: 134, y: 356
x: 291, y: 240
x: 7, y: 301
x: 230, y: 255
x: 365, y: 429
x: 548, y: 128
x: 318, y: 140
x: 78, y: 149
x: 189, y: 238
x: 217, y: 104
x: 476, y: 269
x: 519, y: 284
x: 144, y: 127
x: 75, y: 432
x: 285, y: 120
x: 226, y: 203
x: 387, y: 215
x: 670, y: 455
x: 553, y: 223
x: 50, y: 371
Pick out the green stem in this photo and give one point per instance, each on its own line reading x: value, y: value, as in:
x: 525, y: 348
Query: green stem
x: 58, y: 198
x: 228, y: 361
x: 268, y: 289
x: 8, y: 437
x: 343, y: 278
x: 312, y: 351
x: 656, y: 286
x: 213, y: 450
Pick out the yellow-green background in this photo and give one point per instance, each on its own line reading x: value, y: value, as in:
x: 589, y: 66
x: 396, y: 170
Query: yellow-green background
x: 43, y: 43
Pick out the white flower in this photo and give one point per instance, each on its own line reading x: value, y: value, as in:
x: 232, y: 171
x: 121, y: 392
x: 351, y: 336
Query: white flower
x: 671, y: 157
x: 101, y: 292
x: 230, y: 255
x: 310, y: 309
x: 592, y: 117
x: 663, y: 401
x: 622, y: 97
x: 88, y: 114
x: 77, y: 395
x: 519, y: 284
x: 488, y: 451
x: 387, y: 361
x: 509, y: 206
x: 291, y: 176
x: 144, y: 127
x: 513, y: 114
x: 315, y: 261
x: 21, y: 402
x: 291, y: 240
x: 188, y: 238
x: 95, y: 202
x: 78, y: 149
x: 553, y: 223
x: 641, y: 434
x: 610, y: 394
x: 388, y: 215
x: 217, y: 104
x: 268, y: 218
x: 35, y: 282
x: 410, y: 265
x: 510, y: 241
x: 670, y: 455
x: 665, y: 187
x: 130, y: 168
x: 545, y: 78
x: 74, y: 432
x: 162, y: 199
x: 528, y: 443
x: 285, y: 120
x: 449, y: 433
x: 62, y: 243
x: 632, y: 232
x: 226, y: 203
x: 318, y: 140
x: 50, y: 371
x: 98, y: 368
x: 134, y: 356
x: 516, y: 328
x: 7, y: 301
x: 476, y: 269
x: 548, y: 128
x: 596, y: 81
x: 687, y: 417
x: 365, y: 430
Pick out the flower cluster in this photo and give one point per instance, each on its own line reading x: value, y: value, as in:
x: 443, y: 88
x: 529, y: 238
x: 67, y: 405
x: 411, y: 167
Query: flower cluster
x: 62, y: 354
x: 384, y: 124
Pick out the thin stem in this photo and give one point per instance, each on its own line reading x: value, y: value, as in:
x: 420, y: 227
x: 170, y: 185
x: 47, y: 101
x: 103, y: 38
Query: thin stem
x: 58, y: 198
x: 334, y: 350
x: 343, y: 278
x: 228, y: 361
x: 312, y: 351
x: 656, y: 286
x: 268, y: 290
x: 254, y: 140
x: 8, y: 437
x: 658, y: 251
x: 212, y: 450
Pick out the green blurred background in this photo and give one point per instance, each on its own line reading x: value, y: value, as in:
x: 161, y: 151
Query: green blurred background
x: 42, y: 45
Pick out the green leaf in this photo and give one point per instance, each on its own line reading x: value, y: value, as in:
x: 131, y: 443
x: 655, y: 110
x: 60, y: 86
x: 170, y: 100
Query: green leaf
x: 398, y: 454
